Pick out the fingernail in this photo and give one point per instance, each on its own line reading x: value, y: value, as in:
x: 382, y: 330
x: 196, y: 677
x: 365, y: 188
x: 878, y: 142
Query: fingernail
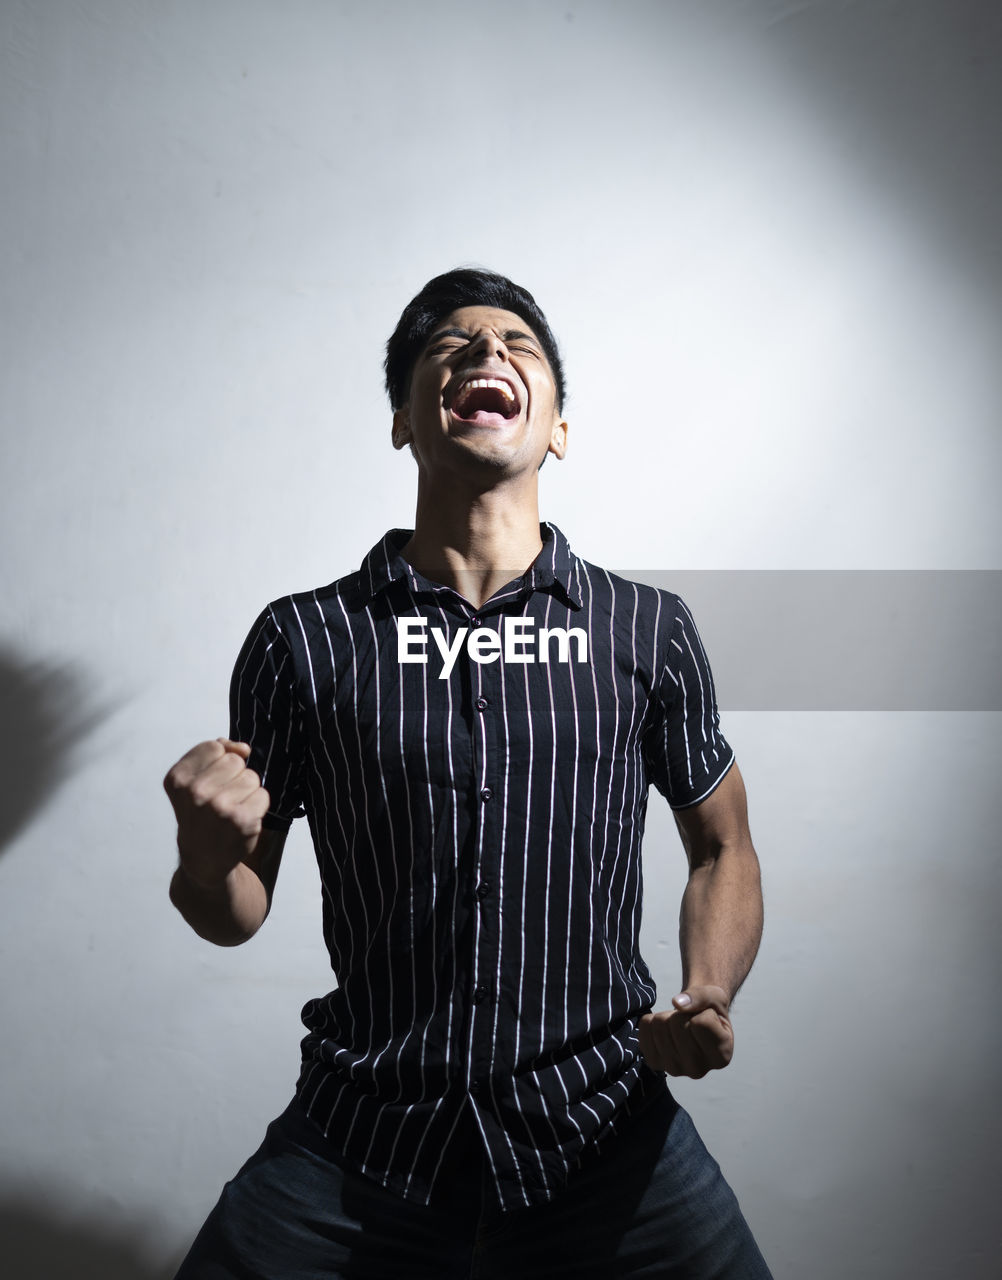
x: 683, y: 999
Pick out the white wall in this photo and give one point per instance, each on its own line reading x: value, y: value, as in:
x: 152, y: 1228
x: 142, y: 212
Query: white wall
x: 766, y: 234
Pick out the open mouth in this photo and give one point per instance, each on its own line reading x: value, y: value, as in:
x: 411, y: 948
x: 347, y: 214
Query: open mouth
x: 485, y: 401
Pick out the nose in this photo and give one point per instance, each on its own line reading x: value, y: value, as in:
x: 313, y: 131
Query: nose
x: 487, y: 345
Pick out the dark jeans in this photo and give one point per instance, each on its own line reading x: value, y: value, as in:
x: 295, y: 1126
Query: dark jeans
x: 651, y: 1204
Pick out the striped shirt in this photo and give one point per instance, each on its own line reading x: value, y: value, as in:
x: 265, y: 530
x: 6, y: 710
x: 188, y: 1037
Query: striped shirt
x: 478, y: 830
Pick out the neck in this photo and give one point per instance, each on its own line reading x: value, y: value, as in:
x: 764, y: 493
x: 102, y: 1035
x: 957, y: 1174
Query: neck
x: 474, y: 542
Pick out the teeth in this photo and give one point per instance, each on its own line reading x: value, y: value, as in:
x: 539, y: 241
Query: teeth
x: 496, y: 383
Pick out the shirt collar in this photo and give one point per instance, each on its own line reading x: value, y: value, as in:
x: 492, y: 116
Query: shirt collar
x: 556, y: 565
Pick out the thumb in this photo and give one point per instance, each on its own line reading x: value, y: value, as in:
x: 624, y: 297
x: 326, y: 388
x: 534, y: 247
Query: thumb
x: 695, y: 999
x: 237, y: 748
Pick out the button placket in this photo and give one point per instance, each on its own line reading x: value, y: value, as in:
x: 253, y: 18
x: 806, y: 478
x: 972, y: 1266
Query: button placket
x: 486, y: 726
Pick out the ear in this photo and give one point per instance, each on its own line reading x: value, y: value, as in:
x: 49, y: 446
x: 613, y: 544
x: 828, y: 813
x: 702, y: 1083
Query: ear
x: 401, y: 431
x: 558, y: 438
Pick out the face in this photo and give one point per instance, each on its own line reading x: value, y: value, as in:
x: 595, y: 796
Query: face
x: 482, y: 394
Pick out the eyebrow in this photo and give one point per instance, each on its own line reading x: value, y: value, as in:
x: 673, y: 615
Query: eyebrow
x: 509, y: 335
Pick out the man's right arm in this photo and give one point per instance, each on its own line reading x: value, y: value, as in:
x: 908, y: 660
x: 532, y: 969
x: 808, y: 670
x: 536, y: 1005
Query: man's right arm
x: 228, y: 862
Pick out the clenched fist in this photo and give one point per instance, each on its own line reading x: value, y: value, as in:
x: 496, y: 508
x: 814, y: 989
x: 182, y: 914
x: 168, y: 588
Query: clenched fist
x: 219, y: 804
x: 693, y: 1038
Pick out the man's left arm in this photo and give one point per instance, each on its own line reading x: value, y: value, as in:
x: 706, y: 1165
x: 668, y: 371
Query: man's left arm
x: 720, y: 928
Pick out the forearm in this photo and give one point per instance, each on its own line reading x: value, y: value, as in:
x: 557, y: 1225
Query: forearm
x: 720, y: 924
x: 227, y: 915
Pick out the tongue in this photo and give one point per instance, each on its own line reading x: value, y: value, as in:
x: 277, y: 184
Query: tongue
x: 483, y: 418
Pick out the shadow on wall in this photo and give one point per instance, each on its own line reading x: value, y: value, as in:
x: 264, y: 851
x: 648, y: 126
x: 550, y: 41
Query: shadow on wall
x: 914, y: 94
x: 36, y: 1244
x: 46, y: 710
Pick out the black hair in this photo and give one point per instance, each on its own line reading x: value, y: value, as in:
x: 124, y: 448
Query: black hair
x: 463, y: 287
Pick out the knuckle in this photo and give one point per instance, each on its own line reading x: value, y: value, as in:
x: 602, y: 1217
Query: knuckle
x: 222, y: 805
x: 199, y: 794
x: 202, y: 755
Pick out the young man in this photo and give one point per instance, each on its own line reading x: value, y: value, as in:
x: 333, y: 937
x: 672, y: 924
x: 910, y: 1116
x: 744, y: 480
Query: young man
x: 470, y: 722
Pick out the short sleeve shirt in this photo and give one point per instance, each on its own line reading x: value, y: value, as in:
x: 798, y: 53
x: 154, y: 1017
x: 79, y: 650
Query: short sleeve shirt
x: 476, y: 785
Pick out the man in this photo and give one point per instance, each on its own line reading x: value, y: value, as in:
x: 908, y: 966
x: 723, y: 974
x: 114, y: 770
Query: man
x: 470, y: 723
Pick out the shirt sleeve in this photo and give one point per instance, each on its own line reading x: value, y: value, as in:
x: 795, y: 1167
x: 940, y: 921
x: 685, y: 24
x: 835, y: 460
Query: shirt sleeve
x: 265, y: 712
x: 687, y: 756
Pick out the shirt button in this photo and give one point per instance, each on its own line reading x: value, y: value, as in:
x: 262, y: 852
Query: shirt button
x: 480, y: 993
x: 476, y: 619
x: 481, y: 704
x: 483, y: 889
x: 485, y: 794
x: 474, y: 1086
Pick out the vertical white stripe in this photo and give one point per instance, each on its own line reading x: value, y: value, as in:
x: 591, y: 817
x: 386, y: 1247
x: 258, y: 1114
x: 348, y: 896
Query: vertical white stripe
x: 549, y: 842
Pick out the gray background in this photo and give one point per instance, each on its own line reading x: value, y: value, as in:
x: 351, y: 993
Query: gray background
x: 767, y: 236
x: 847, y: 640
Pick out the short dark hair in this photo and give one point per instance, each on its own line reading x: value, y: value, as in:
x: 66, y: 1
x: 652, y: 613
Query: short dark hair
x: 463, y: 287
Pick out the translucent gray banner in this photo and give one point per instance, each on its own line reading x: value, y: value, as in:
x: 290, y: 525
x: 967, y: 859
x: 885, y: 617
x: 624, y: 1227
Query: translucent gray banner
x: 847, y: 640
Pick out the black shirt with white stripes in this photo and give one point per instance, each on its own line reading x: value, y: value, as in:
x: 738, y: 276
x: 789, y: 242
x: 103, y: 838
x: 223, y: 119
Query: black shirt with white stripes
x: 476, y: 784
